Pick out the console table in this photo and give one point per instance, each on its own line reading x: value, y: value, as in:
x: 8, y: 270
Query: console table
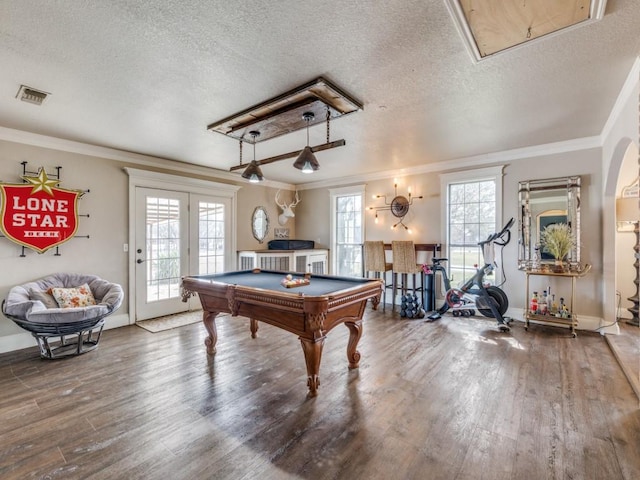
x: 314, y: 260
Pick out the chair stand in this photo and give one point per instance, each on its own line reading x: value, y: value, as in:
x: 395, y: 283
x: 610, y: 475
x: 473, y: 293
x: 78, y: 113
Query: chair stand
x: 81, y: 345
x: 405, y: 264
x: 376, y: 263
x: 87, y: 337
x: 385, y: 286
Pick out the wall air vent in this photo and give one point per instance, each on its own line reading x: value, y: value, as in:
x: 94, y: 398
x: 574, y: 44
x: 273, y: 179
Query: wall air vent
x: 31, y: 95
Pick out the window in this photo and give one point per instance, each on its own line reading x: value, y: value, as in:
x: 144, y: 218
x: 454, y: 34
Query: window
x: 473, y: 211
x: 347, y: 225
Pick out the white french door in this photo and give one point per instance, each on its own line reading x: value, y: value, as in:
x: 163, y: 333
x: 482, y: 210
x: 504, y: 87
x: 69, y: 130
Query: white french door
x: 177, y: 234
x: 177, y: 226
x: 162, y: 251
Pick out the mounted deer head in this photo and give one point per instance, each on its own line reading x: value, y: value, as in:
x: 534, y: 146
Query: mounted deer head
x: 287, y: 210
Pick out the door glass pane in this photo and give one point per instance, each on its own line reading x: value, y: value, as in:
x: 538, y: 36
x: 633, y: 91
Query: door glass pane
x: 163, y: 248
x: 211, y: 238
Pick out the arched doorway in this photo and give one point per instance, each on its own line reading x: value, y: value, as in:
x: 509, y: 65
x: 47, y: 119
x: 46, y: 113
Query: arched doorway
x: 618, y: 259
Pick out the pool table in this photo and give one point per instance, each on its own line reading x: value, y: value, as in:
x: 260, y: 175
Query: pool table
x: 309, y: 311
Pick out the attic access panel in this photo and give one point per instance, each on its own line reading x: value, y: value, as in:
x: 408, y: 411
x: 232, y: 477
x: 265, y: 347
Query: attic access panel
x: 492, y: 26
x: 283, y: 114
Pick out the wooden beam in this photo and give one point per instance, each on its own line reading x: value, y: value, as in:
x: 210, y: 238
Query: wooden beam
x: 284, y: 156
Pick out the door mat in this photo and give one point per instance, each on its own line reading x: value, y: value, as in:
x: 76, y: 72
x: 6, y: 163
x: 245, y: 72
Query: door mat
x: 169, y: 322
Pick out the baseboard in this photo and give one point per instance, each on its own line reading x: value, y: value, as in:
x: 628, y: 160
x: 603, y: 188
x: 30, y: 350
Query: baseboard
x: 18, y: 341
x: 116, y: 321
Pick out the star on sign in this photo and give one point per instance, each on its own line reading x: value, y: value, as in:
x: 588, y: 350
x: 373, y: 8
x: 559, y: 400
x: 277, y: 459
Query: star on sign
x: 41, y: 182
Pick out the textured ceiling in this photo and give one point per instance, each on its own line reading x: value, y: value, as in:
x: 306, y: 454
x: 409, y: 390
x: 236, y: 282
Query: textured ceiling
x: 148, y: 77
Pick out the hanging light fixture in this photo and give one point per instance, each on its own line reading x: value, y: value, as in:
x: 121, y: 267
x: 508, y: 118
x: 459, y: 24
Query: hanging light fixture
x: 252, y: 172
x: 307, y: 161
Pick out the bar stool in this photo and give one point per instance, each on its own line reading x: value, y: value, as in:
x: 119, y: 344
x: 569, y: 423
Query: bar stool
x: 404, y: 264
x: 376, y: 263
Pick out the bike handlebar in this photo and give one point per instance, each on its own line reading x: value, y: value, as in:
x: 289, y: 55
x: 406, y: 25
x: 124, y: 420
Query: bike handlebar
x: 504, y: 232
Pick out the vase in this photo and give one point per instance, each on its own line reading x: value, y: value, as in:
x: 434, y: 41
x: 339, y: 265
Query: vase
x: 558, y: 265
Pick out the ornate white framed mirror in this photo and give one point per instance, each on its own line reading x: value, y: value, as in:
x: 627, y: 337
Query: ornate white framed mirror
x: 260, y: 224
x: 544, y: 202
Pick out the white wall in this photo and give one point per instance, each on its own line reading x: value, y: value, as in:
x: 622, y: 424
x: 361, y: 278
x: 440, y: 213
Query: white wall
x: 251, y: 196
x: 586, y: 164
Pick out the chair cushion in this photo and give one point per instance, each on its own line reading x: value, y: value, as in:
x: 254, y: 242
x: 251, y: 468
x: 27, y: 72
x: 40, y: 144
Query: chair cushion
x: 46, y: 298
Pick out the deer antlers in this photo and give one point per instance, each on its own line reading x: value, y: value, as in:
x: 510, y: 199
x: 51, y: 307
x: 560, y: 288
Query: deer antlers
x: 287, y: 210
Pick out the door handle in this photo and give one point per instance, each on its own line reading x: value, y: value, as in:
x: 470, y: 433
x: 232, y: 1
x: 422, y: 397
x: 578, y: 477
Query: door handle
x: 139, y: 260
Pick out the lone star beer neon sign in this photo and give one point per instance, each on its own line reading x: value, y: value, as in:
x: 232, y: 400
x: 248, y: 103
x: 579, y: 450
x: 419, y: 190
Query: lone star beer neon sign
x: 38, y: 214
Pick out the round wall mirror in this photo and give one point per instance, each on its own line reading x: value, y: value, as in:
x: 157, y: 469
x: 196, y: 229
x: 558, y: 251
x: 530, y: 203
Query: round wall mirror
x: 260, y: 224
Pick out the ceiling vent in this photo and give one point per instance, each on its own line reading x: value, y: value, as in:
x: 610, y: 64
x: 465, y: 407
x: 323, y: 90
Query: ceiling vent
x: 31, y: 95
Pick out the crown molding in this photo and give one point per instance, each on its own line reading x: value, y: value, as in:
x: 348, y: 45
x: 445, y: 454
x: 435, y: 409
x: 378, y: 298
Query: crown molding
x: 476, y: 161
x: 70, y: 146
x: 54, y: 143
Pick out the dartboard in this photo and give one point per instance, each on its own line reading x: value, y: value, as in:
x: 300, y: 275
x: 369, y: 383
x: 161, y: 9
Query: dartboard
x: 399, y: 206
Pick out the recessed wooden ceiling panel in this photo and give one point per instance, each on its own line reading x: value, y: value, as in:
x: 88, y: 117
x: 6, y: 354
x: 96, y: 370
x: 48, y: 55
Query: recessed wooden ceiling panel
x: 283, y: 114
x: 500, y: 24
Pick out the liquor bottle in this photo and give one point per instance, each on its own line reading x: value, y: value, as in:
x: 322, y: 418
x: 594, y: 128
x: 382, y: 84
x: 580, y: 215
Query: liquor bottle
x: 554, y: 305
x: 533, y: 306
x: 543, y: 307
x: 563, y: 308
x: 537, y: 260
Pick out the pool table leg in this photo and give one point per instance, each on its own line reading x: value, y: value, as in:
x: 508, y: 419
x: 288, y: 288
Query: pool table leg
x: 355, y: 332
x: 312, y: 349
x: 375, y: 301
x: 208, y: 318
x: 253, y: 327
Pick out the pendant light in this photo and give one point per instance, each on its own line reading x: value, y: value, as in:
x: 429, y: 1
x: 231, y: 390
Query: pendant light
x: 253, y: 172
x: 307, y: 161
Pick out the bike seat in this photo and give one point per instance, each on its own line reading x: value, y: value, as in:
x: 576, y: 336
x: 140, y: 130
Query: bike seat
x: 438, y: 260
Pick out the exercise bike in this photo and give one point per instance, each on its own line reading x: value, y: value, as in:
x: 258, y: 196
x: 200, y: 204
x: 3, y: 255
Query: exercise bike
x: 474, y: 294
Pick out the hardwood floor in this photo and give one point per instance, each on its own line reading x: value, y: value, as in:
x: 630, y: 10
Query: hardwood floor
x: 454, y: 399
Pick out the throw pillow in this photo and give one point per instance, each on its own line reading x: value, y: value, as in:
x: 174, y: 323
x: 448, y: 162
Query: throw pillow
x: 73, y: 297
x: 46, y: 298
